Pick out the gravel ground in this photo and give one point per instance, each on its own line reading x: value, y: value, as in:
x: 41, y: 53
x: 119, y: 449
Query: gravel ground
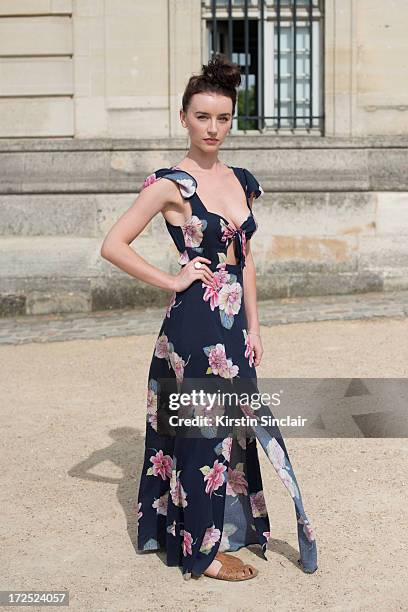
x: 73, y: 424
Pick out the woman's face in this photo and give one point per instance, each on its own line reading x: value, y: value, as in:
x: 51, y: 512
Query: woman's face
x: 209, y: 116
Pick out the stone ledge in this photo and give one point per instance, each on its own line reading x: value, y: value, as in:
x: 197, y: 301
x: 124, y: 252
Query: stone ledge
x: 244, y: 142
x: 296, y: 169
x: 48, y: 295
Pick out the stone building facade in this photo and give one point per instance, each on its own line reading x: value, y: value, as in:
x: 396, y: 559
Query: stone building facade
x: 90, y: 92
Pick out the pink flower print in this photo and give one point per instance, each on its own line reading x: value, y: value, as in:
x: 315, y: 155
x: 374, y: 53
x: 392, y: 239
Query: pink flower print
x: 177, y: 363
x: 211, y: 536
x: 275, y: 454
x: 161, y: 349
x: 139, y: 513
x: 221, y: 276
x: 230, y: 298
x: 217, y: 358
x: 218, y: 362
x: 171, y: 303
x: 236, y: 482
x: 161, y: 465
x: 211, y: 412
x: 152, y: 178
x: 183, y: 259
x: 226, y: 447
x: 287, y: 481
x: 193, y: 232
x: 230, y: 370
x: 152, y: 408
x: 258, y: 504
x: 187, y: 541
x: 307, y: 529
x: 227, y: 231
x: 178, y: 494
x: 211, y: 295
x: 248, y: 411
x: 161, y: 504
x: 214, y: 476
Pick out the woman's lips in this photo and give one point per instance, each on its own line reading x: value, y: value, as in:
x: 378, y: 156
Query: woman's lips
x: 211, y: 140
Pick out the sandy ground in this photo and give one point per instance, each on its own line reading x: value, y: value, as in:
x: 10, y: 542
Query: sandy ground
x: 72, y: 420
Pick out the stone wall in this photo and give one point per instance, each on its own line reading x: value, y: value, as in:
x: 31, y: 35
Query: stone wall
x: 334, y: 218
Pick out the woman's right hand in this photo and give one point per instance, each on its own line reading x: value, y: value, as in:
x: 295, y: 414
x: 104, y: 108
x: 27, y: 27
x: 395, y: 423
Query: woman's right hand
x: 189, y: 274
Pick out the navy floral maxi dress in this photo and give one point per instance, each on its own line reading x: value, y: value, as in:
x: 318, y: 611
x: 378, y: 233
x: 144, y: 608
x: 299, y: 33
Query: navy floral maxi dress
x: 200, y: 496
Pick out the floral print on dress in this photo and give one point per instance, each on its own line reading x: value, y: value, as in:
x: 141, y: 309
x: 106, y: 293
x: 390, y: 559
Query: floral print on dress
x: 218, y: 362
x: 193, y: 231
x: 165, y: 350
x: 237, y: 483
x: 211, y: 536
x: 178, y: 494
x: 161, y: 465
x: 229, y: 302
x: 184, y: 258
x: 307, y: 529
x: 224, y: 448
x: 187, y: 542
x: 228, y: 531
x: 172, y: 304
x: 152, y: 403
x: 214, y: 477
x: 258, y: 504
x: 278, y: 460
x: 161, y: 504
x: 139, y: 512
x: 187, y: 184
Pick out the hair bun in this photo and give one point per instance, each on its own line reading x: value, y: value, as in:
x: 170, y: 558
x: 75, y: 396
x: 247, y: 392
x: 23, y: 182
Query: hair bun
x: 222, y: 71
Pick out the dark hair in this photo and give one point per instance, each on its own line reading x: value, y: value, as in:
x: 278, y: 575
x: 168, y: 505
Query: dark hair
x: 220, y: 75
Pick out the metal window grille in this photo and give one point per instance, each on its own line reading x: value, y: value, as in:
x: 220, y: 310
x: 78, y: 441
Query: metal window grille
x: 279, y: 46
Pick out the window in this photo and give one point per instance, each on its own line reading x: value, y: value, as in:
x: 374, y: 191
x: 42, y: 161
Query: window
x: 279, y: 46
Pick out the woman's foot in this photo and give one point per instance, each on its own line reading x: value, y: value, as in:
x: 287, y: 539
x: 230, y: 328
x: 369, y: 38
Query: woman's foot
x: 228, y: 567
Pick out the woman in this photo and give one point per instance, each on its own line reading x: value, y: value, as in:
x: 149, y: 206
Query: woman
x: 200, y: 496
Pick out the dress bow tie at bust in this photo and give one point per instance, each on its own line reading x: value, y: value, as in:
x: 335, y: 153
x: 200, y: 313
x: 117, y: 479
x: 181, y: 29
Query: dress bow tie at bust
x: 239, y: 238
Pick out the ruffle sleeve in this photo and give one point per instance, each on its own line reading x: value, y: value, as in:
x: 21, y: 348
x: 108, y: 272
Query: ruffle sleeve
x: 253, y: 185
x: 186, y: 182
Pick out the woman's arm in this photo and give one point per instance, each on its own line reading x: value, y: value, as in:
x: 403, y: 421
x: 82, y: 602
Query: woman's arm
x: 115, y: 247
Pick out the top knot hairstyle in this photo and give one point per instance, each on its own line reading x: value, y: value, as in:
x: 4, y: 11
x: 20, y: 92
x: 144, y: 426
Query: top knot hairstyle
x: 220, y: 75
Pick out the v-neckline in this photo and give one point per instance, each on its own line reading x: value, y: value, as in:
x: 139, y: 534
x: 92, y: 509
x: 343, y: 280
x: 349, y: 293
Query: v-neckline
x: 210, y: 212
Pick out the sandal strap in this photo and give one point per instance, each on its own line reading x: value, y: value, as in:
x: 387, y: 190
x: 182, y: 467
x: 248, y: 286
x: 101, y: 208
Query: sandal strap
x: 230, y: 559
x: 236, y: 571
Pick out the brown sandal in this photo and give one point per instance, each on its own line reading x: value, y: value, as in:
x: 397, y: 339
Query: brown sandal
x: 233, y: 569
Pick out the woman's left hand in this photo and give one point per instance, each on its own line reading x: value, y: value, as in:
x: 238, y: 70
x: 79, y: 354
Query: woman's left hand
x: 256, y: 345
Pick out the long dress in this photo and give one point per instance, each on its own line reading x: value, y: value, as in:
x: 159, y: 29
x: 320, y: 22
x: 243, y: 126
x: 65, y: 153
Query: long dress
x: 198, y: 496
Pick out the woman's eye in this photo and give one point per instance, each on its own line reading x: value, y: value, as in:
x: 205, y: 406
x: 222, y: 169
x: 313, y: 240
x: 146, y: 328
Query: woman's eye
x: 222, y: 118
